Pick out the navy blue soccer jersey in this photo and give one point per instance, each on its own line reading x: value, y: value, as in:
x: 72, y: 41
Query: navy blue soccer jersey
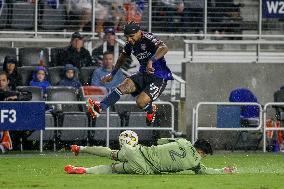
x: 143, y: 50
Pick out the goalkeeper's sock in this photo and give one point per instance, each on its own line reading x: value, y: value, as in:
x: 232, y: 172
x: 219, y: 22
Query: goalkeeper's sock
x: 111, y: 99
x: 100, y: 169
x: 96, y: 150
x: 148, y: 108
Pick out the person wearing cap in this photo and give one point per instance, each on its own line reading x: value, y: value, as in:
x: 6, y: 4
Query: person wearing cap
x: 151, y: 79
x: 107, y: 45
x: 75, y: 53
x: 10, y: 66
x: 70, y: 78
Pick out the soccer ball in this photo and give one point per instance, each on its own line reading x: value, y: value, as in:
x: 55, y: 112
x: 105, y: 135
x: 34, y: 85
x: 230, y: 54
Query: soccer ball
x: 128, y: 137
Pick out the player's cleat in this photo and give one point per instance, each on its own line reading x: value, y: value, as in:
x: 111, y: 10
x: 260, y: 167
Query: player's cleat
x: 75, y: 149
x: 74, y: 170
x: 150, y: 117
x: 93, y: 108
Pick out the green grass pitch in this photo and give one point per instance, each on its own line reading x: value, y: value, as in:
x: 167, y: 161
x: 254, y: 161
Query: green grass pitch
x: 256, y: 171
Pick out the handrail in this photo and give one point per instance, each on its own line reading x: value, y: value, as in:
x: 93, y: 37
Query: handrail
x: 107, y: 128
x: 196, y: 128
x: 256, y: 42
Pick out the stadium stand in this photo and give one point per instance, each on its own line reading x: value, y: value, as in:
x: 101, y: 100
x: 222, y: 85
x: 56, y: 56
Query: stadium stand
x: 30, y: 56
x: 4, y: 51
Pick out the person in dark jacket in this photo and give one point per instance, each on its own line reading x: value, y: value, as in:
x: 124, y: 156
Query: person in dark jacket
x: 10, y: 67
x: 75, y: 53
x: 70, y: 77
x: 7, y: 95
x: 40, y: 79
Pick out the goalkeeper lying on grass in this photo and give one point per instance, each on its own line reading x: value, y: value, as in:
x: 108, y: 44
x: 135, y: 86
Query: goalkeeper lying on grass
x: 170, y: 155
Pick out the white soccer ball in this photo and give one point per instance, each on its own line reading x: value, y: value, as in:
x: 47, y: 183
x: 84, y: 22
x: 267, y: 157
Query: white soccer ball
x: 128, y: 137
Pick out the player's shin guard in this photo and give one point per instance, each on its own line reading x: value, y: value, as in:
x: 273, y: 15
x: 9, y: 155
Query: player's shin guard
x: 111, y: 99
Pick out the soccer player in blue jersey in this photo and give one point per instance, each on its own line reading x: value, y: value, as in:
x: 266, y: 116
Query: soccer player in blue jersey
x: 151, y: 79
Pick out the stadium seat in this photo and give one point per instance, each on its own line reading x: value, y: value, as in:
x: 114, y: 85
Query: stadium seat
x: 55, y: 74
x: 86, y: 75
x: 68, y: 115
x: 54, y: 55
x: 279, y: 97
x: 30, y: 56
x: 36, y: 92
x: 53, y: 19
x: 47, y: 135
x: 23, y: 15
x: 4, y: 51
x: 26, y: 73
x: 4, y: 17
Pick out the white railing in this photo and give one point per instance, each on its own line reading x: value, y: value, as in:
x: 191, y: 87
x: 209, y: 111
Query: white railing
x: 195, y: 121
x: 108, y: 123
x: 158, y: 17
x: 265, y: 128
x: 191, y: 55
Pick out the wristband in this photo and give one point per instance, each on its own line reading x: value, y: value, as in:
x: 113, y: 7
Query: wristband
x: 153, y: 58
x: 113, y: 72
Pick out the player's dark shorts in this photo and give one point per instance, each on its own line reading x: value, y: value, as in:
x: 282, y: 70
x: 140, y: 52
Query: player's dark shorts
x: 152, y: 85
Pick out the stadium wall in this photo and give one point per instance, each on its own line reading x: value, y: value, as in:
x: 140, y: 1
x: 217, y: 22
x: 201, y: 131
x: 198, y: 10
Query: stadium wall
x: 212, y: 82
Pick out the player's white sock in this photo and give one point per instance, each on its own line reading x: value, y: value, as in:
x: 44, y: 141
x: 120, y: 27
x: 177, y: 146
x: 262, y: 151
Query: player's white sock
x: 100, y: 169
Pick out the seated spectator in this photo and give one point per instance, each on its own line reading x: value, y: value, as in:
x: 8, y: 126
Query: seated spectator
x: 106, y: 68
x: 134, y: 10
x: 10, y: 67
x: 70, y: 77
x: 7, y: 95
x: 40, y: 79
x: 108, y: 45
x: 75, y: 53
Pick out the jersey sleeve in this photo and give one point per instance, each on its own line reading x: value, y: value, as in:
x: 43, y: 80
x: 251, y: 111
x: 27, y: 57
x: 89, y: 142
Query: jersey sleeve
x: 153, y: 40
x: 201, y: 169
x: 127, y: 49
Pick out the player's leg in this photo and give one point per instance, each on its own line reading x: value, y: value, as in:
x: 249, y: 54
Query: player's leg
x: 126, y: 87
x: 155, y: 87
x: 95, y: 150
x: 99, y: 169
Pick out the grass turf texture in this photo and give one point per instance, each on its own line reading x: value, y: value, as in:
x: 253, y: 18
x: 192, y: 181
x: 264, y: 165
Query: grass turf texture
x: 256, y: 171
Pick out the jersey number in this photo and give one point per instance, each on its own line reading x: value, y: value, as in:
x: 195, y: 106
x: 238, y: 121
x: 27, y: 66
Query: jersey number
x: 180, y: 154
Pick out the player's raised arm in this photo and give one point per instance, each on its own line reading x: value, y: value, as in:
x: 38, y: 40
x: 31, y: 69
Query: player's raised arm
x: 162, y: 49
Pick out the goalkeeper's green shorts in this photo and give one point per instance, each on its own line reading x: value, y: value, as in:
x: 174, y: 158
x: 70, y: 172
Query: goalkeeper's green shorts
x: 134, y: 161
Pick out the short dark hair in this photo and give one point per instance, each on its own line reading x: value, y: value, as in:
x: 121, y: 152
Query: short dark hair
x: 4, y: 73
x: 108, y: 52
x: 203, y: 145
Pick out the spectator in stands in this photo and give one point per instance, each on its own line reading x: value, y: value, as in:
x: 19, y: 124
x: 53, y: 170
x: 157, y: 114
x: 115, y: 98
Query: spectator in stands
x: 40, y: 79
x: 7, y: 95
x: 75, y: 53
x: 70, y: 77
x: 10, y: 67
x: 107, y: 67
x: 108, y: 45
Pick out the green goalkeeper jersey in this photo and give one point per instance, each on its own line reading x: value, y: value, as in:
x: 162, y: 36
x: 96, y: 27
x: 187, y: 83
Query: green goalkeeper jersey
x: 175, y: 155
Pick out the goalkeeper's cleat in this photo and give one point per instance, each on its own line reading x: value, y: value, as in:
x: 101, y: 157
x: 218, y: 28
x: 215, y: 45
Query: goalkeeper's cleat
x: 150, y: 117
x: 75, y: 149
x: 93, y: 108
x: 74, y: 170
